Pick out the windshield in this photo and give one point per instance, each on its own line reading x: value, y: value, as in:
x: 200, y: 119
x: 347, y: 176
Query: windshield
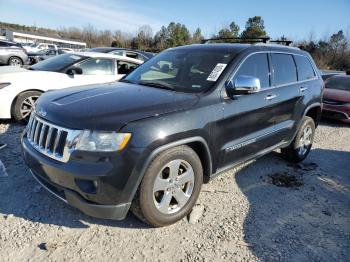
x: 187, y: 70
x: 57, y: 63
x: 339, y: 82
x: 33, y: 45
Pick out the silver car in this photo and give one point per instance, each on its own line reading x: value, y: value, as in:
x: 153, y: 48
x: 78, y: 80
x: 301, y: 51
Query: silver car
x: 12, y: 53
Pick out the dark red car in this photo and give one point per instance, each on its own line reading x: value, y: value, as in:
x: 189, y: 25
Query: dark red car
x: 336, y: 98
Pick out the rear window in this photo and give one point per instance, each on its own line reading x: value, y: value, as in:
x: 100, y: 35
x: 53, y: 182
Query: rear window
x: 284, y: 69
x: 339, y: 82
x: 305, y: 69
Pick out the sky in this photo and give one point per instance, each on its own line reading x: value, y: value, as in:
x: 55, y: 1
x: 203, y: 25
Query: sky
x: 296, y: 19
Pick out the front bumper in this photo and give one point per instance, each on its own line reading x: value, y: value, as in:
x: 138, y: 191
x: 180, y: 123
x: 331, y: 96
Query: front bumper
x: 99, y: 186
x: 116, y: 212
x: 341, y: 113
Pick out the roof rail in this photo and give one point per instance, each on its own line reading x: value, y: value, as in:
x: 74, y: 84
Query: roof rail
x: 285, y: 42
x: 250, y: 40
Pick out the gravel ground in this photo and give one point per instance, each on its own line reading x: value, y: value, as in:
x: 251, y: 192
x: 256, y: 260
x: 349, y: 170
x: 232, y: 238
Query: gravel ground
x: 248, y: 214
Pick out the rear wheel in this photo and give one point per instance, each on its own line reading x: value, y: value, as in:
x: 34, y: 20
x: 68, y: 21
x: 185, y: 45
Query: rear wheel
x: 170, y: 187
x: 24, y: 105
x: 15, y: 61
x: 298, y: 150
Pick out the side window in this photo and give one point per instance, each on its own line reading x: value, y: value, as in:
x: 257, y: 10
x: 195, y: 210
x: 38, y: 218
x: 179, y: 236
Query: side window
x: 97, y: 66
x: 305, y: 69
x: 125, y: 67
x: 2, y: 44
x: 284, y: 69
x: 135, y: 56
x: 256, y: 65
x: 118, y: 52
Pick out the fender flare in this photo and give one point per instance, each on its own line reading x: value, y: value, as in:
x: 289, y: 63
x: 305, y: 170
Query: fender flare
x: 313, y: 105
x: 162, y: 148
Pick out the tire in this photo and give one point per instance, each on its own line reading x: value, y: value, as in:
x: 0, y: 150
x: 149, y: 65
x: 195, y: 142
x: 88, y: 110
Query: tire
x: 298, y: 150
x: 24, y: 104
x: 15, y: 61
x: 162, y: 199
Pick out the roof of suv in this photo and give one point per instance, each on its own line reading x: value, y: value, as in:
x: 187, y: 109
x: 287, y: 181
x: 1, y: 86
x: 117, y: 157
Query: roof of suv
x: 234, y: 47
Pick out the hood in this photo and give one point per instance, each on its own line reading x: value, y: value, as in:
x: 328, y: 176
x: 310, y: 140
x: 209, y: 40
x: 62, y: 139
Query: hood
x: 23, y: 77
x: 11, y: 69
x: 109, y: 106
x: 336, y: 95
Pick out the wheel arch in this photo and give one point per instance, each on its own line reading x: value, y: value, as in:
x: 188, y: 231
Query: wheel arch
x: 198, y: 144
x: 12, y: 56
x: 314, y: 111
x: 16, y: 97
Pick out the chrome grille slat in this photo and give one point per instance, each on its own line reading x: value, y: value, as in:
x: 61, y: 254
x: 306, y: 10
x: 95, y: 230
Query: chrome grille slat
x: 49, y: 139
x: 57, y: 140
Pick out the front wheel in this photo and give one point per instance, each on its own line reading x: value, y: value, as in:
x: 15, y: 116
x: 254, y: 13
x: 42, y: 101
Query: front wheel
x: 15, y: 61
x: 24, y: 105
x: 298, y: 150
x: 170, y: 187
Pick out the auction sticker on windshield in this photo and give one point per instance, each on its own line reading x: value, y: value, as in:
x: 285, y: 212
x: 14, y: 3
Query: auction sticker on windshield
x: 215, y: 74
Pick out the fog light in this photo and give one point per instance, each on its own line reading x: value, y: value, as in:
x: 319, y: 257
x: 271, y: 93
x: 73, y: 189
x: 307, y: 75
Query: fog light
x: 86, y: 186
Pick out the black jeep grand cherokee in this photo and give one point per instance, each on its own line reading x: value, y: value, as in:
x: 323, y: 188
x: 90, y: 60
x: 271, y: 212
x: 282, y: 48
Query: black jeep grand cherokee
x: 151, y: 140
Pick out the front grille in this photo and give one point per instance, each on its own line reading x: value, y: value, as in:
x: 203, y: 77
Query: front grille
x: 50, y: 140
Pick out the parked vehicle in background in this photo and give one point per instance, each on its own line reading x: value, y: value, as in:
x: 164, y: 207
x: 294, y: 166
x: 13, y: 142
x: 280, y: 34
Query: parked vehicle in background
x: 66, y: 50
x: 12, y: 53
x: 35, y: 57
x: 150, y: 140
x: 329, y: 73
x: 35, y: 47
x: 132, y: 53
x: 20, y: 87
x: 336, y: 98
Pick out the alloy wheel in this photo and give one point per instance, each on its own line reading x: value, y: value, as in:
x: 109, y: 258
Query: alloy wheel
x: 173, y: 186
x: 27, y: 106
x: 305, y: 140
x: 15, y: 62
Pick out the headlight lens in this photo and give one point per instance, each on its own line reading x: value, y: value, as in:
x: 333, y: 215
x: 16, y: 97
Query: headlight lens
x: 102, y: 141
x: 2, y: 85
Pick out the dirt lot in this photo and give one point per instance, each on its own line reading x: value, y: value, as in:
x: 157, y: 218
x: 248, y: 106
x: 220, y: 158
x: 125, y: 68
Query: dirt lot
x: 265, y: 210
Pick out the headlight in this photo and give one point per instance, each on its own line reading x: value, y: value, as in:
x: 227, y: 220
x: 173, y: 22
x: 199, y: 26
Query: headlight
x: 102, y: 141
x: 2, y: 85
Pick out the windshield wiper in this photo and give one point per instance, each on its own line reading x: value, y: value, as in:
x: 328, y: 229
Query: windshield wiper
x: 162, y: 85
x: 126, y: 81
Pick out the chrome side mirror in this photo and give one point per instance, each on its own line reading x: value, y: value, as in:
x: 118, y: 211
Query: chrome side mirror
x: 243, y: 85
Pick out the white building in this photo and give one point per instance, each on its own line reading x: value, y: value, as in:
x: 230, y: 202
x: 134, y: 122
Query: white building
x: 25, y: 37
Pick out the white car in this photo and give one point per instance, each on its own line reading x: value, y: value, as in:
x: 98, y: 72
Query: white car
x: 35, y: 47
x: 20, y: 87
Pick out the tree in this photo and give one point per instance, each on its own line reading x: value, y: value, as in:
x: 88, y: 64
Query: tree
x: 178, y: 34
x: 143, y: 39
x: 175, y: 34
x: 254, y: 28
x: 234, y: 29
x: 160, y: 38
x: 197, y: 36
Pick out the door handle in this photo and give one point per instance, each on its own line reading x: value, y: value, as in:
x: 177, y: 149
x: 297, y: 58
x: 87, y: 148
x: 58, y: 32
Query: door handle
x: 270, y: 97
x: 303, y: 89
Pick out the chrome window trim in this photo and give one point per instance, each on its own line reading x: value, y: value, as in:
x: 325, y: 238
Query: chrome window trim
x: 276, y: 52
